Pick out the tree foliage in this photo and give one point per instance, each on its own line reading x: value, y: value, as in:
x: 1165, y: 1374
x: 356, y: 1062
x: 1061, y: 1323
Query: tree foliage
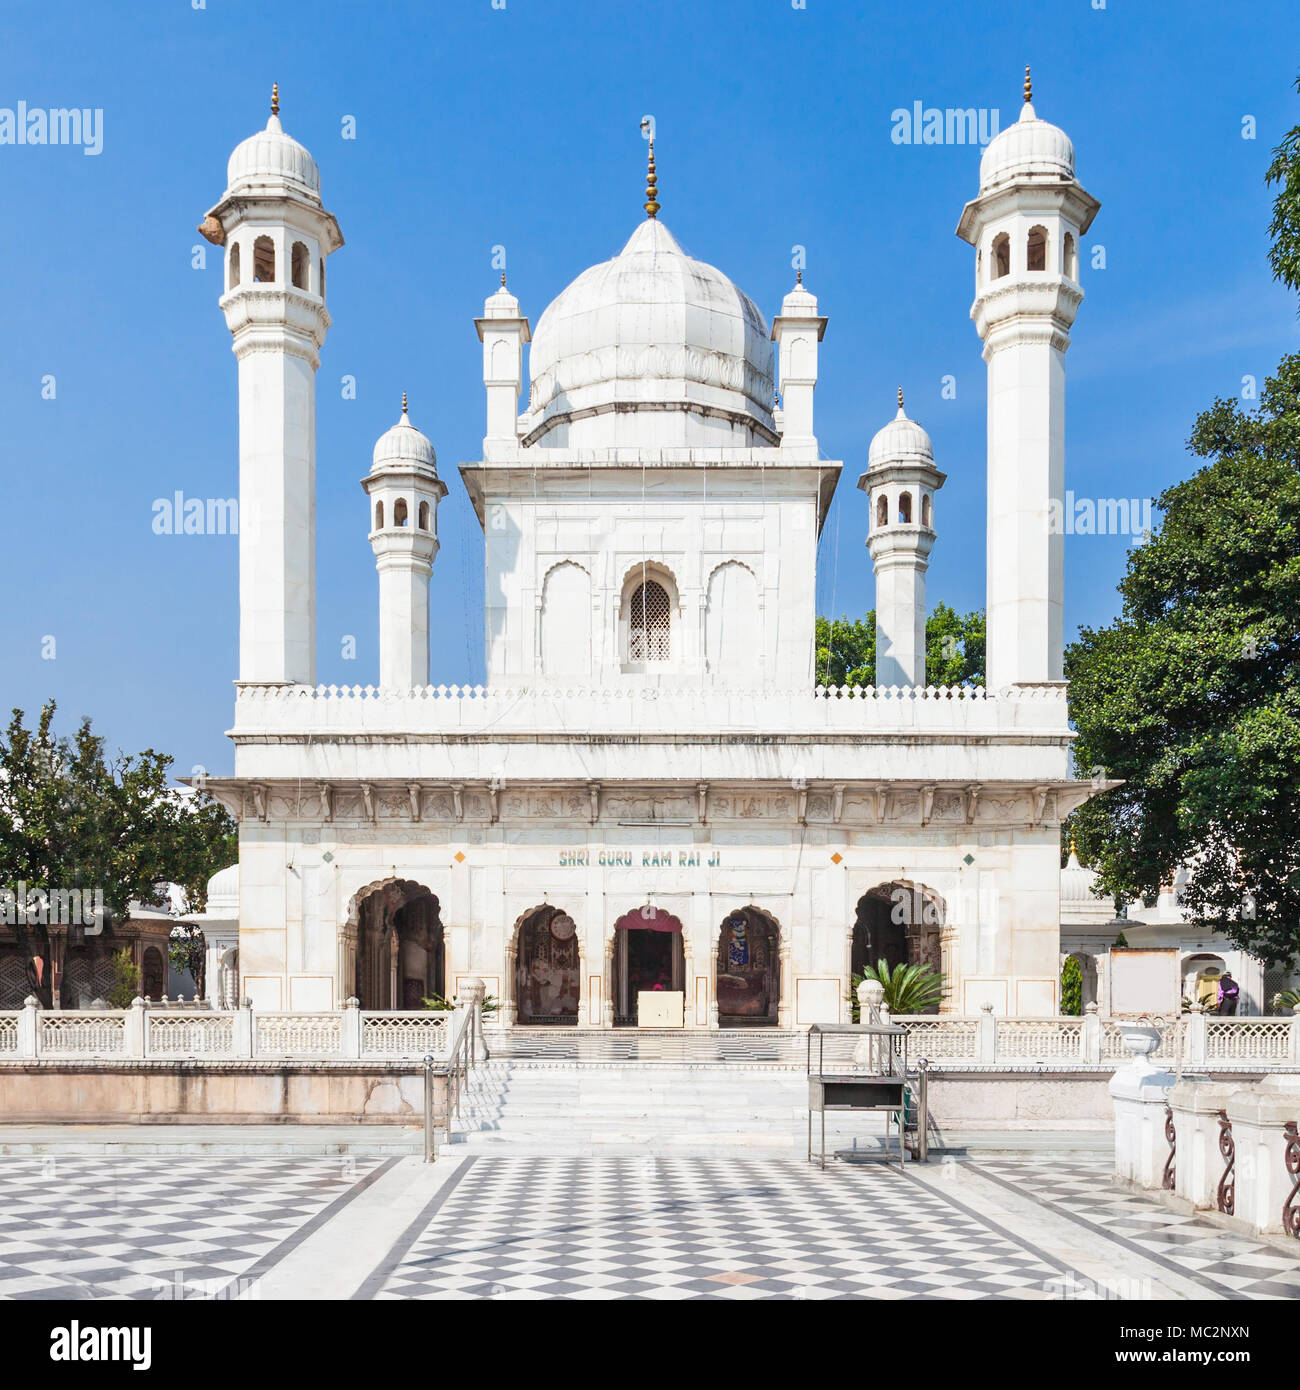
x: 954, y: 649
x: 1071, y: 988
x: 75, y: 817
x: 1193, y: 694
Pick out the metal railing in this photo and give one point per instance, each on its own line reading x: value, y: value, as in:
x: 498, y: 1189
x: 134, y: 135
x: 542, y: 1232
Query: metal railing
x: 465, y: 1047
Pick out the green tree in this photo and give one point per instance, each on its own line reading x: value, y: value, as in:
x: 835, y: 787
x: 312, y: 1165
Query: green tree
x: 1071, y: 988
x: 954, y: 649
x: 74, y: 817
x: 126, y: 981
x: 1193, y: 694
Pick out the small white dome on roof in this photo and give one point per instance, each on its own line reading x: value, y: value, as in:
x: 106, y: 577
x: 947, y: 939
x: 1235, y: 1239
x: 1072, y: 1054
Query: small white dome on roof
x: 1028, y: 150
x: 800, y: 303
x: 1077, y: 882
x: 653, y: 328
x: 902, y: 439
x: 223, y: 889
x: 272, y: 162
x: 404, y: 444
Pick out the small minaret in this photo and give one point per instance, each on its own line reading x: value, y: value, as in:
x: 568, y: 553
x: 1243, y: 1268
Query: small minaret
x: 1025, y: 225
x: 796, y: 331
x: 503, y: 331
x: 900, y: 482
x: 276, y: 236
x: 404, y: 491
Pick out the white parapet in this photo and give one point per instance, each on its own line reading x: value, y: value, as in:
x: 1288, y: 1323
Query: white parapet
x: 1259, y: 1116
x: 1197, y: 1105
x: 1141, y: 1098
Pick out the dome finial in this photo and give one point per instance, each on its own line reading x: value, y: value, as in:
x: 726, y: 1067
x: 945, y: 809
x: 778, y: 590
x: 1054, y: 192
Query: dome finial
x: 798, y: 277
x: 651, y: 180
x: 403, y: 402
x: 275, y: 98
x: 900, y: 398
x: 503, y: 279
x: 1029, y: 86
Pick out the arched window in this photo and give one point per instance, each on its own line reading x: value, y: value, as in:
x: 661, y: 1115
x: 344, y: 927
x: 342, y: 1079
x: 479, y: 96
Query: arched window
x: 264, y: 261
x: 1071, y: 257
x: 379, y: 516
x: 1001, y: 255
x: 399, y: 512
x: 424, y: 516
x: 925, y: 509
x: 904, y: 508
x: 649, y: 625
x: 1036, y: 249
x: 232, y: 274
x: 322, y: 277
x: 882, y: 510
x: 298, y: 264
x: 566, y: 621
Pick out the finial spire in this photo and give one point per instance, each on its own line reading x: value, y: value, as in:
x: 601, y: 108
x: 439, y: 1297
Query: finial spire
x: 503, y: 279
x: 275, y: 98
x: 1074, y: 853
x: 651, y: 182
x: 1029, y: 86
x: 798, y: 277
x: 403, y: 402
x: 900, y: 398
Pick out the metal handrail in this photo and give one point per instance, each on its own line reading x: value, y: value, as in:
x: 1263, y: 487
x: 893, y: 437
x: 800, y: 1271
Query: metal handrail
x: 467, y: 1046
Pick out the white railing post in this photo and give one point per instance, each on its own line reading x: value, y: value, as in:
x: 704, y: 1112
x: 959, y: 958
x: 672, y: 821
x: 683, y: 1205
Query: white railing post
x: 1198, y: 1036
x: 1293, y: 1042
x: 871, y: 995
x: 29, y: 1027
x: 470, y: 993
x: 350, y: 1030
x: 133, y: 1033
x: 1090, y: 1035
x: 986, y: 1035
x: 242, y: 1030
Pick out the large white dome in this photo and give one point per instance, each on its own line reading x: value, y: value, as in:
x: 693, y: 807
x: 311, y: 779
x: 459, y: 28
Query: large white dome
x: 651, y: 330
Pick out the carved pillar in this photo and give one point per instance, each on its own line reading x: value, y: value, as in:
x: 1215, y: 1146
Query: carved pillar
x: 608, y: 1009
x: 783, y: 1008
x: 346, y: 984
x: 509, y: 1012
x: 58, y: 943
x: 394, y: 996
x: 847, y: 1008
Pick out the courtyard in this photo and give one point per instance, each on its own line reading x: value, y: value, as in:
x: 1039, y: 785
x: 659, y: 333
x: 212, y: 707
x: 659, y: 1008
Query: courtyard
x: 202, y: 1227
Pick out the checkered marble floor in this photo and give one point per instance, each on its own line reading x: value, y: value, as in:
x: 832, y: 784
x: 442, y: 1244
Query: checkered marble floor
x: 530, y: 1228
x: 1225, y: 1264
x: 173, y: 1227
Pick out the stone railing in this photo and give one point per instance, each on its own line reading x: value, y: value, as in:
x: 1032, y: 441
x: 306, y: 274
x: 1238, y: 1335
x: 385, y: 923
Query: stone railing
x: 509, y: 710
x: 1090, y: 1040
x: 144, y: 1033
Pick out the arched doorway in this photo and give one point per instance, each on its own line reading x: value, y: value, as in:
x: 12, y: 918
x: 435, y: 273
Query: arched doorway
x: 900, y: 923
x: 748, y: 988
x: 153, y: 976
x: 648, y: 957
x: 548, y: 967
x: 400, y: 955
x: 1201, y: 974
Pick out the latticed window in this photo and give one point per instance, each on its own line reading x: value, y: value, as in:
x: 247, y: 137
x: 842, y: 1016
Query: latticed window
x: 648, y: 624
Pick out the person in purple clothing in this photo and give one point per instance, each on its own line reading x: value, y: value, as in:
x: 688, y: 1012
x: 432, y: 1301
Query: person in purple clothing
x: 1229, y: 991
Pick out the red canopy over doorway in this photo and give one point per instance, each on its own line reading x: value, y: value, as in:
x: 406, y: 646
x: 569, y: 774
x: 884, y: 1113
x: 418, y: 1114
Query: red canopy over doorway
x: 648, y: 919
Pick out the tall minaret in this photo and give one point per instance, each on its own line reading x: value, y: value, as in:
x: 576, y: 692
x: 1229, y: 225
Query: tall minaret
x: 404, y: 491
x: 1025, y: 226
x: 901, y: 481
x: 276, y: 236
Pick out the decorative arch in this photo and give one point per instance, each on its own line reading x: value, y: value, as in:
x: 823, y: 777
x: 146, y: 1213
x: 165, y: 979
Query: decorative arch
x: 299, y: 265
x: 424, y: 516
x: 1036, y: 249
x: 733, y: 638
x: 900, y: 922
x: 748, y: 978
x: 649, y: 616
x: 564, y: 624
x: 546, y: 962
x: 646, y: 952
x: 379, y: 515
x: 882, y: 510
x: 395, y: 949
x: 264, y: 260
x: 232, y: 266
x: 904, y: 508
x: 1001, y: 256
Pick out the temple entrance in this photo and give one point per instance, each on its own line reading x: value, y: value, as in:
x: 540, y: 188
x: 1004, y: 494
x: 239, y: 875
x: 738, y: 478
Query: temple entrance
x: 648, y: 958
x: 749, y: 969
x: 400, y: 954
x: 899, y: 923
x: 548, y: 968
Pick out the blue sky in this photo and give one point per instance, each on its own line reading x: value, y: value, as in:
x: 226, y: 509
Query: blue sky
x: 478, y: 126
